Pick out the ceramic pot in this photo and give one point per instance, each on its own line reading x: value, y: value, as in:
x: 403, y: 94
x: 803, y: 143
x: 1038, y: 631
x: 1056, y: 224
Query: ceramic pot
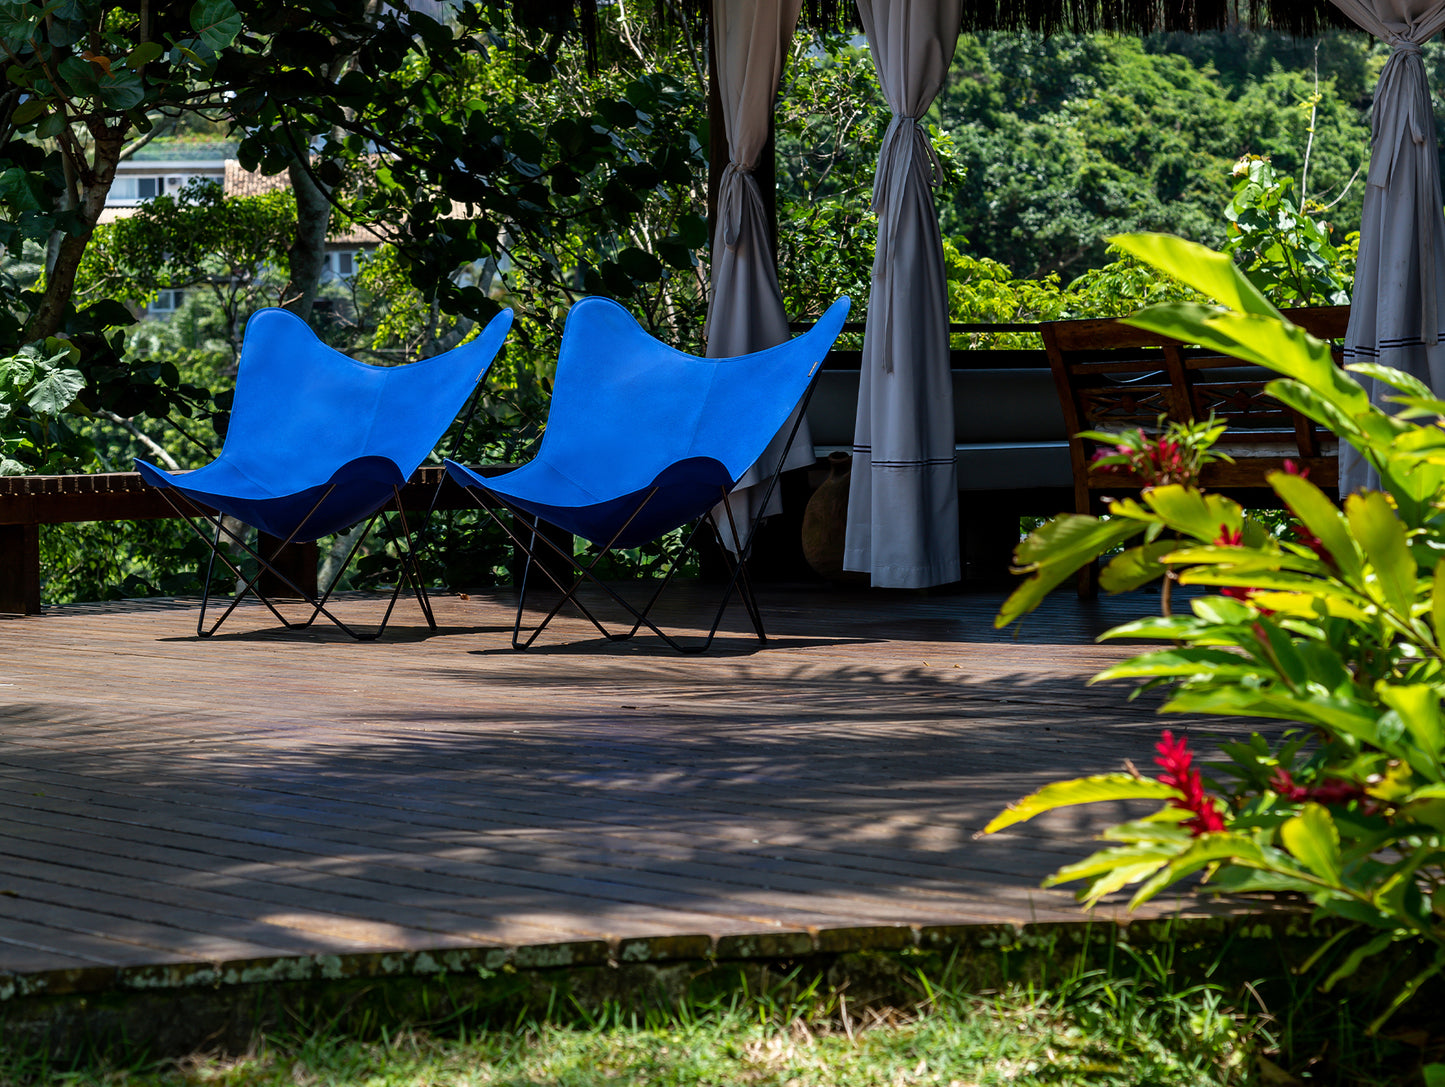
x: 825, y: 521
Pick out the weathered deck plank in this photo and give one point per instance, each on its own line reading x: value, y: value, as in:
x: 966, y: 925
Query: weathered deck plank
x: 168, y: 799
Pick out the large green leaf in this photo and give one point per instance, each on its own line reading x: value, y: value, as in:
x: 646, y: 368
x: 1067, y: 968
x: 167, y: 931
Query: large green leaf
x: 1314, y: 840
x: 1135, y: 567
x: 1397, y: 379
x: 1185, y: 662
x: 56, y: 391
x: 1280, y: 580
x: 121, y: 90
x: 1110, y: 869
x: 1157, y: 628
x: 1057, y: 550
x: 1256, y: 333
x: 1209, y: 273
x: 1318, y: 514
x: 1418, y: 706
x: 1194, y: 513
x: 1313, y: 606
x: 1207, y: 850
x: 1383, y: 538
x: 1231, y: 560
x: 1221, y: 611
x: 1090, y: 790
x: 1352, y: 428
x: 1343, y: 716
x: 216, y: 22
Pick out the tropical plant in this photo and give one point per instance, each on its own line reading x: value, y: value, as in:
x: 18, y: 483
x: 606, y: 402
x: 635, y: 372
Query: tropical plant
x: 38, y: 389
x: 1286, y: 251
x: 1339, y: 627
x: 234, y: 248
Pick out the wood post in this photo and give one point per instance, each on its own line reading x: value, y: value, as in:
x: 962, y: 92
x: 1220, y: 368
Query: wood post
x: 297, y: 562
x: 20, y: 569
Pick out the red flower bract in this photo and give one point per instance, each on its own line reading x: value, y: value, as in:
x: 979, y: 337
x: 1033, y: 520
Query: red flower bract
x: 1176, y: 760
x: 1230, y: 537
x: 1328, y: 791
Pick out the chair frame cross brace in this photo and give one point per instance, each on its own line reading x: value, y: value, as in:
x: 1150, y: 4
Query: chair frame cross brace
x: 192, y: 513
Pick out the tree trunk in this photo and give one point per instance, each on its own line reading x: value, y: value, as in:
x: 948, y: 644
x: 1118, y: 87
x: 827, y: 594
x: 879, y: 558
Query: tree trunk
x: 308, y: 251
x: 49, y: 317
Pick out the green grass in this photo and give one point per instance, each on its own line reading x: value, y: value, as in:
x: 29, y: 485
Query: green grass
x: 1137, y: 1019
x: 985, y: 1044
x: 1096, y: 1030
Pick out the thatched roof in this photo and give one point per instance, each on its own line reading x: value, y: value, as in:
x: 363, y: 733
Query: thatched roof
x: 1298, y: 17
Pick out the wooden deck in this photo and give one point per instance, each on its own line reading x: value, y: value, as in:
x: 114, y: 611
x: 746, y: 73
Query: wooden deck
x: 169, y: 800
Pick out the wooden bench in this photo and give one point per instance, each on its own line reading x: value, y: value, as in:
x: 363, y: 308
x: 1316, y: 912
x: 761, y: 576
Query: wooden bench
x: 1112, y: 377
x: 27, y: 502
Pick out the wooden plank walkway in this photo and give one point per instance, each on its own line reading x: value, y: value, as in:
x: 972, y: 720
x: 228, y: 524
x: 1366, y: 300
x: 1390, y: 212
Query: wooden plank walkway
x: 165, y: 799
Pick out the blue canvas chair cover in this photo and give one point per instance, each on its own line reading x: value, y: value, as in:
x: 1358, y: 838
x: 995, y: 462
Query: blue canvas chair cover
x: 319, y: 442
x: 642, y: 439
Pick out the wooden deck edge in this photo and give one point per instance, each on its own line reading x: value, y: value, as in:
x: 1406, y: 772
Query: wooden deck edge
x: 175, y: 1009
x: 82, y: 981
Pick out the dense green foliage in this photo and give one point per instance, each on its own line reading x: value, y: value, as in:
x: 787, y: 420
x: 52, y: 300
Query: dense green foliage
x: 1065, y: 140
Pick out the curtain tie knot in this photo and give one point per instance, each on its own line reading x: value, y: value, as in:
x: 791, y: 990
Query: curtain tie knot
x: 736, y: 188
x: 905, y: 143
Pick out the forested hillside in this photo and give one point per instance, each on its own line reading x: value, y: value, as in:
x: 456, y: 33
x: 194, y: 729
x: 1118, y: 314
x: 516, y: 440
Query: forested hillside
x: 1064, y: 140
x: 1050, y: 145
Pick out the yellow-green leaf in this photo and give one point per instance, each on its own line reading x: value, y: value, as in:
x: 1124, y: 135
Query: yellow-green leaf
x: 1313, y: 839
x: 1090, y: 790
x: 1209, y: 273
x: 1386, y: 545
x: 1314, y: 508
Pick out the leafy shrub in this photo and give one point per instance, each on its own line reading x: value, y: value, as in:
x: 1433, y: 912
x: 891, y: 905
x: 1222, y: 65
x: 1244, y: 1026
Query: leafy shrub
x: 38, y: 387
x: 1338, y: 626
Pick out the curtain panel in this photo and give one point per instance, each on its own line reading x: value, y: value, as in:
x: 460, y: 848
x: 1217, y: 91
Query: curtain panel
x: 903, y: 494
x: 1396, y: 304
x: 745, y: 312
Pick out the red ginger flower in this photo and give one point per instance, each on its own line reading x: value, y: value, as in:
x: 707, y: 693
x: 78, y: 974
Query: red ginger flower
x: 1176, y: 760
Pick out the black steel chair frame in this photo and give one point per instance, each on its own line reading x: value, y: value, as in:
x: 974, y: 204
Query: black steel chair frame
x: 405, y: 543
x: 738, y: 579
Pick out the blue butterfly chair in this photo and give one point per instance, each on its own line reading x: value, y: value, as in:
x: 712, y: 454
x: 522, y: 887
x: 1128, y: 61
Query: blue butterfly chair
x: 642, y: 439
x: 319, y: 442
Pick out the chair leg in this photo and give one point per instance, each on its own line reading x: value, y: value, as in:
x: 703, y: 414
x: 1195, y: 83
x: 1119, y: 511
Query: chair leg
x: 248, y: 584
x: 318, y: 603
x: 738, y: 581
x: 584, y: 574
x: 568, y: 592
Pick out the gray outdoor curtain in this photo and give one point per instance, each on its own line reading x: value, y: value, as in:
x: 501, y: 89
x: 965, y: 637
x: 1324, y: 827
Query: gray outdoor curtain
x: 903, y: 495
x: 746, y: 310
x: 1397, y: 303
